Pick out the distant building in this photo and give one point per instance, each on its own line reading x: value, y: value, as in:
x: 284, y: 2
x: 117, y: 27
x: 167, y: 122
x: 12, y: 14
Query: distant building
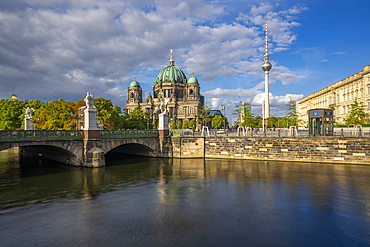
x: 338, y: 97
x: 183, y: 95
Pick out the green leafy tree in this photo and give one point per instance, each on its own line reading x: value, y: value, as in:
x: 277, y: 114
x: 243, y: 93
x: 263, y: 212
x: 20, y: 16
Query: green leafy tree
x: 185, y: 125
x: 192, y: 124
x: 173, y: 125
x: 136, y: 119
x: 248, y: 119
x: 292, y: 115
x: 111, y: 115
x: 237, y: 112
x: 11, y: 112
x: 357, y: 115
x: 217, y: 121
x: 204, y: 115
x: 179, y: 125
x: 55, y: 115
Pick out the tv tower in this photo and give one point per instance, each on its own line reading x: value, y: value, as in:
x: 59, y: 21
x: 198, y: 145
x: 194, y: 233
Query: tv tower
x: 266, y: 66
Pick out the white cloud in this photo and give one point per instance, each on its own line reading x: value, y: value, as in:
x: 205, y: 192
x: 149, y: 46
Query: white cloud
x: 63, y: 48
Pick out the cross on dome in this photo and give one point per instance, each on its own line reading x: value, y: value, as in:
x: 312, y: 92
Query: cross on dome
x: 172, y: 62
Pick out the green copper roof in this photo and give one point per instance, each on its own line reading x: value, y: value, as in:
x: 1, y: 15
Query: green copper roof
x: 134, y: 83
x: 171, y: 74
x: 192, y: 79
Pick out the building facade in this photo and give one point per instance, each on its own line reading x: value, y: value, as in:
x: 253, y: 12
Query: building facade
x: 183, y: 95
x: 338, y: 97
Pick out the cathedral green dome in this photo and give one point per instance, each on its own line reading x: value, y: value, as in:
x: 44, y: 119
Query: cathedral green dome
x: 192, y: 79
x: 171, y: 74
x: 134, y: 83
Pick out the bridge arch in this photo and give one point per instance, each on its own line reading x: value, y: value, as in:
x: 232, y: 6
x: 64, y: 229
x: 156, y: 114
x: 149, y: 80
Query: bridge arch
x: 67, y: 151
x: 147, y: 146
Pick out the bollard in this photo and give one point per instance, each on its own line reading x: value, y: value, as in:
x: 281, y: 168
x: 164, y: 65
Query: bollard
x: 264, y: 133
x: 341, y: 132
x: 278, y: 132
x: 359, y: 133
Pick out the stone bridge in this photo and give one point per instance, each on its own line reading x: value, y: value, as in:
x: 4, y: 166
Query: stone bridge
x: 70, y: 147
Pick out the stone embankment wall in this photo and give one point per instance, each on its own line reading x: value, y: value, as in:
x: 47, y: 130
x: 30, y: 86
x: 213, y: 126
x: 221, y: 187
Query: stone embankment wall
x: 317, y: 149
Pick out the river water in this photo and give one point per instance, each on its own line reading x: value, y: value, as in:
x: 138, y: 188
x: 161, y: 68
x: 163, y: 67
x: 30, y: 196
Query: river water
x: 137, y: 201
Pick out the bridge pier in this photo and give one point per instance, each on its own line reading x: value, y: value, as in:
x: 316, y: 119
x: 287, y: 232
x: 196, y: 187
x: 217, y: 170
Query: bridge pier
x: 93, y: 153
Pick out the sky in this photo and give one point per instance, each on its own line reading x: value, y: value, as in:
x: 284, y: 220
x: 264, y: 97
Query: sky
x: 52, y: 49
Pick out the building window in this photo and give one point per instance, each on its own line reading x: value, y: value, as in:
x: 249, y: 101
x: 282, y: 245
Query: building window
x: 368, y: 89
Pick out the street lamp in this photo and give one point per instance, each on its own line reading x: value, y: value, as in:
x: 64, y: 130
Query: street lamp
x: 34, y: 121
x: 100, y: 125
x: 76, y: 117
x: 223, y: 109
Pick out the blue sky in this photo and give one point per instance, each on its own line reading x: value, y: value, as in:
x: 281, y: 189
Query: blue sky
x: 51, y: 49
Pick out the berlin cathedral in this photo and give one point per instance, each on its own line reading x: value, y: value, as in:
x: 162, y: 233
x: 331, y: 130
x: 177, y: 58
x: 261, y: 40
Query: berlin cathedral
x: 183, y: 95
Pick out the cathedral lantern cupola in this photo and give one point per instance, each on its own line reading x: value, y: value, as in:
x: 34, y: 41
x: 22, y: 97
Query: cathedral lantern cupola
x: 134, y: 92
x: 193, y: 89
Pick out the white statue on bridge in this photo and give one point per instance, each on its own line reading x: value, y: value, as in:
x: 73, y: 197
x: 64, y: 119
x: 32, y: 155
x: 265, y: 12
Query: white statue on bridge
x: 28, y: 113
x: 89, y: 100
x: 28, y: 119
x: 163, y: 106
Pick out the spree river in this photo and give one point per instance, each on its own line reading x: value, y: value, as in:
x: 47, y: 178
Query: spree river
x: 136, y: 201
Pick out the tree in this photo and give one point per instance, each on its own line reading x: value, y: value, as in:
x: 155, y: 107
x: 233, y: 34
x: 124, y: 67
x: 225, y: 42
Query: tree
x: 204, y: 115
x: 55, y: 115
x: 173, y: 125
x: 179, y: 125
x: 136, y: 119
x: 185, y: 125
x: 11, y: 112
x: 292, y: 115
x: 217, y: 121
x: 192, y: 124
x: 357, y: 115
x: 248, y: 119
x: 237, y: 112
x: 109, y: 114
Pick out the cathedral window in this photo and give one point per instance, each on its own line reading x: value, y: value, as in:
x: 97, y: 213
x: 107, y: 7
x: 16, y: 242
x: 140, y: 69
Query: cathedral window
x: 191, y: 91
x: 132, y: 95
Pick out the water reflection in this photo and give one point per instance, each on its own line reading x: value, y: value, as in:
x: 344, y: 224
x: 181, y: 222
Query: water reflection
x: 160, y: 202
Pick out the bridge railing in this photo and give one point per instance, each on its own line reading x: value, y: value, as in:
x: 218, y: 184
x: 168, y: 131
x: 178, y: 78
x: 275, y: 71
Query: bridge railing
x: 22, y: 135
x: 175, y: 133
x: 127, y: 133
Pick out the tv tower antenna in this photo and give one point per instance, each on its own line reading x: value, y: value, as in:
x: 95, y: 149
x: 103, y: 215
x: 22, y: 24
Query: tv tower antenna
x: 266, y: 66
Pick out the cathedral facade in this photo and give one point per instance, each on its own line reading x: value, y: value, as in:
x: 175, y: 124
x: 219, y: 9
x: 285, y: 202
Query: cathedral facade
x: 183, y: 95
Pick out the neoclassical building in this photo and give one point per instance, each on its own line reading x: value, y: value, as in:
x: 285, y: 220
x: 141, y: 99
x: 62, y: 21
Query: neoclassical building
x: 183, y: 95
x: 339, y: 97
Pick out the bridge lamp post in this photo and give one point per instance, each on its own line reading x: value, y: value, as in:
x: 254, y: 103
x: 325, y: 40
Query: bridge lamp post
x: 34, y: 121
x: 100, y: 124
x: 76, y: 117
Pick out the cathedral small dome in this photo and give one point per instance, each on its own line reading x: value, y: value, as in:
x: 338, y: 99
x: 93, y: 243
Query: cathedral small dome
x: 192, y: 79
x: 134, y: 83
